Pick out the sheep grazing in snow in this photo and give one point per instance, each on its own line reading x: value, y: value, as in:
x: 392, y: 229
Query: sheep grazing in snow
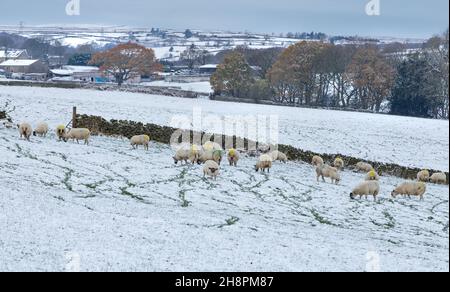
x: 25, y: 130
x: 211, y: 168
x: 366, y: 188
x: 61, y: 132
x: 328, y: 171
x: 142, y: 140
x: 41, y: 130
x: 363, y: 166
x: 338, y: 163
x: 78, y: 134
x: 372, y: 175
x: 280, y: 156
x: 423, y: 176
x: 187, y: 153
x: 317, y: 161
x: 233, y: 157
x: 265, y: 162
x: 409, y: 189
x: 439, y: 178
x: 182, y: 154
x: 215, y: 155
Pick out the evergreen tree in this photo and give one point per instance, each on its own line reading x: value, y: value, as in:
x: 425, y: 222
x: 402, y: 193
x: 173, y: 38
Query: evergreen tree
x: 414, y: 89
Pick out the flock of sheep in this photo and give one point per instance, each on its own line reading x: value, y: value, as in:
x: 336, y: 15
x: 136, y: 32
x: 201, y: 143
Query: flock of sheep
x: 211, y: 154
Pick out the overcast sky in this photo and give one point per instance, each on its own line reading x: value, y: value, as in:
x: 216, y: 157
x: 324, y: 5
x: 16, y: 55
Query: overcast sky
x: 403, y: 18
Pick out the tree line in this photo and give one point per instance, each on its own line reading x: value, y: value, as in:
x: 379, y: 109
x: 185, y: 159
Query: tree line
x: 388, y: 78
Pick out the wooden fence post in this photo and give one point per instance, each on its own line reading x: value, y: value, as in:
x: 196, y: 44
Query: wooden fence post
x: 74, y: 117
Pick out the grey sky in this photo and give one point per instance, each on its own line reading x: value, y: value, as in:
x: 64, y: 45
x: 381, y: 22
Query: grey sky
x: 404, y: 18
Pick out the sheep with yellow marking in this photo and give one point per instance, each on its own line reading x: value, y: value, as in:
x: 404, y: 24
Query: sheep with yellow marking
x: 372, y: 175
x: 338, y: 163
x: 140, y: 140
x: 60, y: 132
x: 423, y: 175
x: 233, y: 157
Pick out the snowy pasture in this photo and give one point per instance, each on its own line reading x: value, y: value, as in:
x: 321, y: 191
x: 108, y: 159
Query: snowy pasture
x: 405, y: 141
x: 105, y: 207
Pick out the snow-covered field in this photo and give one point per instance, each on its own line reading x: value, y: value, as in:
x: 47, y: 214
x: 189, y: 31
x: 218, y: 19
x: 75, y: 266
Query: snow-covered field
x: 405, y: 141
x: 105, y: 207
x: 200, y: 87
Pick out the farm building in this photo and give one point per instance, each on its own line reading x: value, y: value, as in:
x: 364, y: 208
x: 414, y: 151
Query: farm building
x: 24, y: 66
x: 78, y: 73
x: 13, y: 55
x: 208, y: 69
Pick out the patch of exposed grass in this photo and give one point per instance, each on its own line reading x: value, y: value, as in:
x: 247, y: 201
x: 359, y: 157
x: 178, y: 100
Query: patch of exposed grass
x: 319, y: 218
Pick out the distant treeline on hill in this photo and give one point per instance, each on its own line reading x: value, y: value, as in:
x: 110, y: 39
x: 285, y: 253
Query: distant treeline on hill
x: 391, y: 78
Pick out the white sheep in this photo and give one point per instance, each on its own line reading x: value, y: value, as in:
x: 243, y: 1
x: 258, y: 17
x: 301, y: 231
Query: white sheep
x: 439, y: 178
x: 211, y: 168
x: 410, y: 189
x: 372, y: 175
x: 278, y: 155
x: 182, y: 154
x: 41, y: 130
x: 363, y: 166
x: 264, y: 163
x: 338, y: 163
x: 423, y: 175
x: 138, y: 140
x: 25, y: 130
x: 233, y: 157
x: 366, y: 188
x: 317, y: 161
x: 61, y: 132
x: 78, y: 134
x: 328, y: 171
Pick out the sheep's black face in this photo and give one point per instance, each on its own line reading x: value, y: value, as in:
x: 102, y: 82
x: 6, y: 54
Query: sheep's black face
x: 393, y: 194
x: 352, y: 196
x: 34, y: 133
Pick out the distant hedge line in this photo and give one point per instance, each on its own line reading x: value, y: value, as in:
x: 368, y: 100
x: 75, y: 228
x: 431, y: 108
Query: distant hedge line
x: 163, y: 134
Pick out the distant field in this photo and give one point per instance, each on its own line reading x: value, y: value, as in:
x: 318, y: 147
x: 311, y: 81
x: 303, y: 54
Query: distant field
x: 405, y: 141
